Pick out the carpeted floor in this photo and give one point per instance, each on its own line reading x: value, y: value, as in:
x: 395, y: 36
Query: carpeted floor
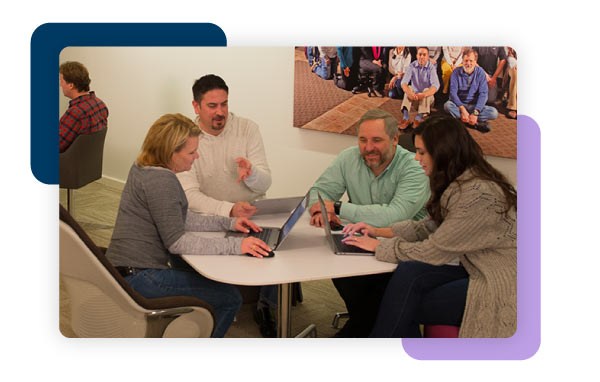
x: 95, y: 208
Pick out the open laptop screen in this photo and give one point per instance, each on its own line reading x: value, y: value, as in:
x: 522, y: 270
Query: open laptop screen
x: 293, y: 218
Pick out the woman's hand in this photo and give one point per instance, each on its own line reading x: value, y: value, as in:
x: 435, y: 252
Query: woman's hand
x: 244, y: 225
x: 365, y: 242
x: 362, y: 228
x: 255, y: 247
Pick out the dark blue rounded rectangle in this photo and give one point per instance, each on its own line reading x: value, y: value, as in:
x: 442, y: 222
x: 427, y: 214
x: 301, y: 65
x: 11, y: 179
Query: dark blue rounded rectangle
x: 48, y: 40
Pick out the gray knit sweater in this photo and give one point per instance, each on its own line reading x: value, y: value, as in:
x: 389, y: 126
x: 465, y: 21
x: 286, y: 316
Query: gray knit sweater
x: 153, y: 222
x: 484, y: 239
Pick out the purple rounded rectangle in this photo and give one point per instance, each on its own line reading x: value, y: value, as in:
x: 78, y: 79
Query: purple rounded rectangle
x: 526, y: 340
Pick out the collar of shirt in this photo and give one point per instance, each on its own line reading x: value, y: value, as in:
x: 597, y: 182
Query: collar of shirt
x: 81, y: 98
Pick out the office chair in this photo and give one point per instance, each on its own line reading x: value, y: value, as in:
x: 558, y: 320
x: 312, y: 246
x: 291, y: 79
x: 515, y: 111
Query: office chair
x: 104, y: 305
x: 81, y: 163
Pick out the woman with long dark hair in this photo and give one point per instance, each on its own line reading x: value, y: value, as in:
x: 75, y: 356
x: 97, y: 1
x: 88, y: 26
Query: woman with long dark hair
x: 457, y: 266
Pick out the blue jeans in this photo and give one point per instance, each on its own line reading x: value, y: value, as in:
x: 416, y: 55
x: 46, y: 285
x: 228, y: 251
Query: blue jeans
x: 487, y: 114
x: 269, y: 295
x: 420, y: 293
x: 396, y: 91
x: 225, y: 299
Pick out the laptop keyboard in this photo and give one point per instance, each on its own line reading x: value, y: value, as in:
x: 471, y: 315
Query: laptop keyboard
x: 264, y: 235
x: 343, y: 247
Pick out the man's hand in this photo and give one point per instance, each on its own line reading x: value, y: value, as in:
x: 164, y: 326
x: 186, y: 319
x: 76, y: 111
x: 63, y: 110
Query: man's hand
x: 412, y: 96
x: 464, y: 114
x: 378, y: 63
x: 242, y: 209
x: 492, y: 82
x: 317, y: 219
x: 244, y: 168
x: 315, y: 212
x: 472, y: 119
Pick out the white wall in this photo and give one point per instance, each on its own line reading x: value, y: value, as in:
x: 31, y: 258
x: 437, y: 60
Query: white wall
x: 141, y: 84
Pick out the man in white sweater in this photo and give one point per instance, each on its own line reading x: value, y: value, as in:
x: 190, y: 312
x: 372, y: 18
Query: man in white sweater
x: 231, y: 171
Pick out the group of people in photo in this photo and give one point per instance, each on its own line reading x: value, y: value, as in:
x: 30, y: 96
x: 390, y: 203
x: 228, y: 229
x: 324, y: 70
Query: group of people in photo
x: 444, y: 215
x: 466, y: 82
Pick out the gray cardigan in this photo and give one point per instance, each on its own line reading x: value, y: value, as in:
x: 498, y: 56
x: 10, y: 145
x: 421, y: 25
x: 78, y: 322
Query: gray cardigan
x: 485, y: 241
x: 153, y: 222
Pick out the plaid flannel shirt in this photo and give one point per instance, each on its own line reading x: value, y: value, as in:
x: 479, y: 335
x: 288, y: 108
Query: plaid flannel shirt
x: 86, y: 114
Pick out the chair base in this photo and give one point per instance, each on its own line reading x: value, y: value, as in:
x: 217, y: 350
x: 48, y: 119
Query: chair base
x: 336, y: 319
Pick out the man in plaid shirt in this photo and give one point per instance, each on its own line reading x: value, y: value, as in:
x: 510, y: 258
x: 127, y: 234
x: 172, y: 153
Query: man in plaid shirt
x: 86, y: 113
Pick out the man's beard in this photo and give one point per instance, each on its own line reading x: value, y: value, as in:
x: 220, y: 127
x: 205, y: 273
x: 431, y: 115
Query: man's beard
x: 382, y: 159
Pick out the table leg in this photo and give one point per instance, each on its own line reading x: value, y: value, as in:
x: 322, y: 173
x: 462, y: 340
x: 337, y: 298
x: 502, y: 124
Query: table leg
x: 284, y: 326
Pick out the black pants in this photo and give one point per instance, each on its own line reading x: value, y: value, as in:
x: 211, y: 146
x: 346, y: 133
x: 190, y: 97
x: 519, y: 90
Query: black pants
x: 419, y: 293
x: 362, y: 295
x: 367, y: 67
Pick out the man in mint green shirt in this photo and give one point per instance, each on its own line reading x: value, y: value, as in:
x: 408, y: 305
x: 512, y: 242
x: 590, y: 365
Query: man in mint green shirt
x: 385, y: 185
x: 383, y: 181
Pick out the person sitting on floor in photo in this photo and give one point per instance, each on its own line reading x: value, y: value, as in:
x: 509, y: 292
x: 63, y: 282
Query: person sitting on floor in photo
x: 468, y: 94
x: 451, y: 60
x: 420, y: 82
x: 327, y: 63
x: 384, y: 185
x: 458, y: 266
x: 154, y: 226
x: 510, y: 83
x: 398, y: 65
x: 371, y: 70
x: 492, y: 59
x: 347, y: 72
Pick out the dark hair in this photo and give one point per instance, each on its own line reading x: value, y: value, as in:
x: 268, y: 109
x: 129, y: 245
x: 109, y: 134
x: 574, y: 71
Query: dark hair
x: 75, y: 73
x: 453, y: 151
x: 207, y: 83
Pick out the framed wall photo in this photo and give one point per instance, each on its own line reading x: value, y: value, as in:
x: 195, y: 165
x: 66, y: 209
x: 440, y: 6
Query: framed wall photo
x: 334, y: 86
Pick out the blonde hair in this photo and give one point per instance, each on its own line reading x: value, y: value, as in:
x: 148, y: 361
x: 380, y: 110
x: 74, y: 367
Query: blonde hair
x: 165, y: 137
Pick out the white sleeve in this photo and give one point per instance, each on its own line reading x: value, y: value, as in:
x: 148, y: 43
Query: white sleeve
x: 260, y: 180
x: 198, y: 201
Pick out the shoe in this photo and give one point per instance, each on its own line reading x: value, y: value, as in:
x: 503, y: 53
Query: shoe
x: 266, y: 323
x: 482, y: 127
x: 416, y: 123
x: 378, y: 93
x: 403, y: 124
x: 371, y: 92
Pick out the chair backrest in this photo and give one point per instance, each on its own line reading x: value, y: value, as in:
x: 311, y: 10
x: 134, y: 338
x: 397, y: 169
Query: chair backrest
x: 103, y: 304
x: 406, y: 141
x: 81, y: 162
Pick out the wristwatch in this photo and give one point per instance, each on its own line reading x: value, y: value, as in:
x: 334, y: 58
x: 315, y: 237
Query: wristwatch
x: 476, y: 113
x: 336, y: 207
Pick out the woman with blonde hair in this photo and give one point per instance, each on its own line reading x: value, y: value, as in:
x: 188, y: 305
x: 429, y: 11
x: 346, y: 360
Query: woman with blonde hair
x: 154, y: 225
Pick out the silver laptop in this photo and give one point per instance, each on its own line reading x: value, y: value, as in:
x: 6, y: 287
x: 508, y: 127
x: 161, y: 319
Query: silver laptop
x: 276, y: 205
x: 274, y: 236
x: 335, y: 240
